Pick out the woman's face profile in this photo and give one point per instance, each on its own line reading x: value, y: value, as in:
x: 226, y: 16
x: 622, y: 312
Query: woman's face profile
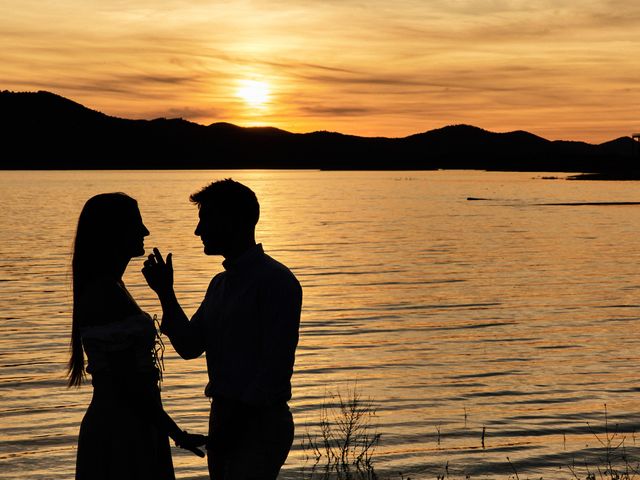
x: 132, y: 234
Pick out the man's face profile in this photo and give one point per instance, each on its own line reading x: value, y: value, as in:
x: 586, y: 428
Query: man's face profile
x: 214, y: 229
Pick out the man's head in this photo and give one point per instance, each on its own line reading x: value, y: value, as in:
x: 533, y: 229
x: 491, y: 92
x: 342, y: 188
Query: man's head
x: 229, y: 212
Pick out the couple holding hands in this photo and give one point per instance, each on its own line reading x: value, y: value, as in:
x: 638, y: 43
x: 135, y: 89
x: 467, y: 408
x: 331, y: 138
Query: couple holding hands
x: 247, y: 324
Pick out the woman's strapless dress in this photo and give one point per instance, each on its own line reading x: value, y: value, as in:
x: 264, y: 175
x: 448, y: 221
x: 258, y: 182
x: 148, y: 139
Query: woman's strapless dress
x: 119, y: 437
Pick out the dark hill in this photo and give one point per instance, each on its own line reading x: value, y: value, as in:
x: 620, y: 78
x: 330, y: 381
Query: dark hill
x: 45, y: 131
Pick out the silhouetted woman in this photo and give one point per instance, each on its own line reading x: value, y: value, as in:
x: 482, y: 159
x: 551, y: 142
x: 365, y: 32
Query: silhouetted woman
x: 125, y: 432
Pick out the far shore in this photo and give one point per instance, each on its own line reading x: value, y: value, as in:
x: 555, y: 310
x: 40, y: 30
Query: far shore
x: 609, y: 176
x: 44, y: 131
x: 592, y: 176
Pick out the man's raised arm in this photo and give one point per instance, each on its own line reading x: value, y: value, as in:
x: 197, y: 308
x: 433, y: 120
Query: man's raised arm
x: 187, y: 337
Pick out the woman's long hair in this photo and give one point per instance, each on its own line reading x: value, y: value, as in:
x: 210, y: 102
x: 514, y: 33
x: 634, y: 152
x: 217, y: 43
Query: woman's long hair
x: 99, y: 226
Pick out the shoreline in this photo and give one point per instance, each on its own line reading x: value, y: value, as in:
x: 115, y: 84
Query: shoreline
x: 564, y: 175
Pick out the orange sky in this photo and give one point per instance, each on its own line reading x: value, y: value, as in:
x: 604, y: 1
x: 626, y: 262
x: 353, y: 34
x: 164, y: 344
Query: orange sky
x: 560, y: 69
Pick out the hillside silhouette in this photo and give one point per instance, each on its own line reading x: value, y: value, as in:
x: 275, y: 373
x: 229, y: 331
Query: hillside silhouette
x: 42, y: 130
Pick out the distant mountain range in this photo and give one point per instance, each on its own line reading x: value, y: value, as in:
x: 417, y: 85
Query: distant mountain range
x: 42, y: 130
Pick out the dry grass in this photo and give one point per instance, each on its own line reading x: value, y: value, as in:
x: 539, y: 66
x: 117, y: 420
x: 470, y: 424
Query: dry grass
x: 342, y: 445
x: 614, y: 463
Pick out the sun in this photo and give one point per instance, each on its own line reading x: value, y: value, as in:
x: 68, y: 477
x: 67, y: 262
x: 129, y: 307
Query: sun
x: 253, y: 92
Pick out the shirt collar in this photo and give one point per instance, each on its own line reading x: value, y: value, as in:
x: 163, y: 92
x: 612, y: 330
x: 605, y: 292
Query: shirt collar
x: 247, y: 258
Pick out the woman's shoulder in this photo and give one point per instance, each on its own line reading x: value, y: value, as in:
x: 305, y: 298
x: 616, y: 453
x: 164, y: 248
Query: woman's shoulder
x: 104, y: 300
x: 98, y: 287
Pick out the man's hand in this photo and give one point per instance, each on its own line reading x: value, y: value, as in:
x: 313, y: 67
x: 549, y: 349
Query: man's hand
x: 158, y: 273
x: 191, y: 442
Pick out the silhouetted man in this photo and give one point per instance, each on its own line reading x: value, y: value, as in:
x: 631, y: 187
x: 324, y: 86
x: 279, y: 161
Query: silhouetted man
x: 248, y: 326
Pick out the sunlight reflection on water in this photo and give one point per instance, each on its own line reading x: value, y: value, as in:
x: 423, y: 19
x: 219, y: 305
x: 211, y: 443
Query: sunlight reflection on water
x: 451, y: 315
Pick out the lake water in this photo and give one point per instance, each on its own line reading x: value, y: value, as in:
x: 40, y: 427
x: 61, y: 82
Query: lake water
x: 451, y: 315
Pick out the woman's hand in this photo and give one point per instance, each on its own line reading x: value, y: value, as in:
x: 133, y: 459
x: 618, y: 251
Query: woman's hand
x: 158, y: 273
x: 191, y: 442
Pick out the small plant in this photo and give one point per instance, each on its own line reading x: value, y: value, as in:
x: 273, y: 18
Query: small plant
x: 344, y: 446
x: 445, y: 474
x: 616, y: 464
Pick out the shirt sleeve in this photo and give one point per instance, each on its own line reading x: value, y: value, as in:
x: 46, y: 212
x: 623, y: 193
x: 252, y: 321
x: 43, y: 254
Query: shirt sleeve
x: 280, y: 307
x: 188, y: 337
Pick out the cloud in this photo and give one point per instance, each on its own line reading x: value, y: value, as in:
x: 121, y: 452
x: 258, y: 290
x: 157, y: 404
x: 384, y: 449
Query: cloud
x: 337, y: 111
x: 187, y: 112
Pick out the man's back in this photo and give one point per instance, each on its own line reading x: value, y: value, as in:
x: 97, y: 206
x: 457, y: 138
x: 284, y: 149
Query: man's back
x: 251, y: 317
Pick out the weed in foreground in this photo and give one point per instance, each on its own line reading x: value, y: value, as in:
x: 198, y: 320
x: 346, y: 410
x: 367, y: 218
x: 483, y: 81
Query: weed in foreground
x: 344, y: 443
x: 615, y: 463
x: 344, y: 446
